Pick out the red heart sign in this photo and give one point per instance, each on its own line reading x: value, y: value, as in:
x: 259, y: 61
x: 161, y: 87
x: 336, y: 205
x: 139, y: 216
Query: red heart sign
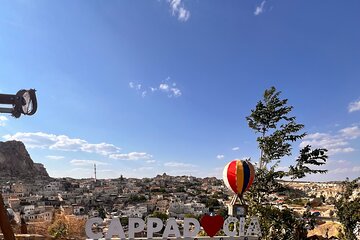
x: 212, y: 224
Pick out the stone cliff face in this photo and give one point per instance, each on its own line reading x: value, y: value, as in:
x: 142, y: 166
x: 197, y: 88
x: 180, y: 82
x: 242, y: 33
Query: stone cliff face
x: 16, y: 163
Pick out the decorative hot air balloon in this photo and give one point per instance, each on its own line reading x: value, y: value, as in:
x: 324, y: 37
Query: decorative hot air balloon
x: 238, y: 176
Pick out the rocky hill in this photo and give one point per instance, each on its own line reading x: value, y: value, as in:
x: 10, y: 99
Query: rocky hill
x: 16, y: 163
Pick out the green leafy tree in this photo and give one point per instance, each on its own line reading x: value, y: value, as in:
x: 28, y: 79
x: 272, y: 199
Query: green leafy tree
x: 59, y: 229
x: 222, y: 212
x: 348, y: 208
x: 190, y: 215
x: 277, y: 130
x: 212, y: 202
x: 136, y: 198
x: 102, y: 213
x: 162, y: 216
x: 124, y: 221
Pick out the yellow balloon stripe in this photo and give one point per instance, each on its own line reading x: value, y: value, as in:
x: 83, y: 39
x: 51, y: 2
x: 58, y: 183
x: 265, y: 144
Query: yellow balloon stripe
x: 239, y: 176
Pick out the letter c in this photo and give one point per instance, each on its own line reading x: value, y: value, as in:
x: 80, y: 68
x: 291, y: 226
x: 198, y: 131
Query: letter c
x: 88, y: 228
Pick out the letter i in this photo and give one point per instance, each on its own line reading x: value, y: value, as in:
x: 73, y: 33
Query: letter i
x: 242, y: 227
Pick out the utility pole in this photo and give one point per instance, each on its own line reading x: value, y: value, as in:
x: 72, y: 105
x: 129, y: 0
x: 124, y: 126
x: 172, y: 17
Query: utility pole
x: 23, y: 102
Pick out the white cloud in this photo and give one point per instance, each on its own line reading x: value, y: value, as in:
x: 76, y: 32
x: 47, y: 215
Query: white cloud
x: 131, y: 156
x: 178, y: 9
x: 351, y: 132
x: 335, y: 143
x: 170, y: 89
x: 179, y: 165
x: 175, y: 92
x: 33, y: 140
x: 183, y: 172
x: 3, y: 120
x: 138, y: 88
x: 52, y: 157
x: 354, y: 106
x: 220, y: 156
x: 144, y: 169
x: 81, y: 162
x: 235, y: 148
x: 164, y: 87
x: 101, y: 148
x: 341, y: 161
x: 339, y: 171
x: 260, y: 9
x: 282, y: 168
x: 150, y: 161
x: 316, y: 136
x: 61, y: 142
x: 79, y: 172
x: 354, y: 169
x: 134, y: 85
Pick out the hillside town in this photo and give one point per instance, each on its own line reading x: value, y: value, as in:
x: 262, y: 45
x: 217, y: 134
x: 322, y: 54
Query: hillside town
x: 38, y: 203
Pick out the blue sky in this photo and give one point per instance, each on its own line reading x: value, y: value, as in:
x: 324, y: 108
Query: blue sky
x: 146, y: 87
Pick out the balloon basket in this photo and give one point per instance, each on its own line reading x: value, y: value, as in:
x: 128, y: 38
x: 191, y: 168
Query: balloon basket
x: 237, y: 207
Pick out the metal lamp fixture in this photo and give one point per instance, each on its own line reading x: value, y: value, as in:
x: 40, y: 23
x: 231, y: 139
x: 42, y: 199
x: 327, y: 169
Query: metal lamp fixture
x: 23, y: 102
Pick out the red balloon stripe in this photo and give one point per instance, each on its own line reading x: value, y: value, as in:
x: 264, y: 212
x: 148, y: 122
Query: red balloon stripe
x: 231, y: 175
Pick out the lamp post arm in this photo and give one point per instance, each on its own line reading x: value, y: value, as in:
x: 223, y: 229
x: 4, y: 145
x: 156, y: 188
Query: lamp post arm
x: 23, y: 102
x: 7, y: 98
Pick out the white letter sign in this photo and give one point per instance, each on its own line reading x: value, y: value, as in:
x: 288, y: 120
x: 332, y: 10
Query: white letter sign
x: 150, y: 226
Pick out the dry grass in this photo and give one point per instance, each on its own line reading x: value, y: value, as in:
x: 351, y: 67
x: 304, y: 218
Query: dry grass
x: 329, y: 228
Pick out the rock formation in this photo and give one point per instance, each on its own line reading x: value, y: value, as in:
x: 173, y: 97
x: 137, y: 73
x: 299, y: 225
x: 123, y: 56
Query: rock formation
x: 16, y: 163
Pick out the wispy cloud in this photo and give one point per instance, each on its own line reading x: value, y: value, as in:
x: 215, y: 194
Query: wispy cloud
x: 144, y: 169
x: 354, y: 169
x: 259, y: 9
x: 133, y: 156
x: 61, y: 142
x: 335, y: 143
x: 180, y: 168
x: 282, y: 168
x: 178, y: 9
x: 354, y: 106
x: 179, y: 165
x: 171, y: 90
x: 3, y: 120
x: 220, y: 156
x: 135, y: 85
x: 82, y: 162
x: 139, y: 88
x: 350, y: 132
x: 167, y: 86
x: 53, y: 157
x: 335, y: 162
x: 183, y: 172
x: 235, y: 148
